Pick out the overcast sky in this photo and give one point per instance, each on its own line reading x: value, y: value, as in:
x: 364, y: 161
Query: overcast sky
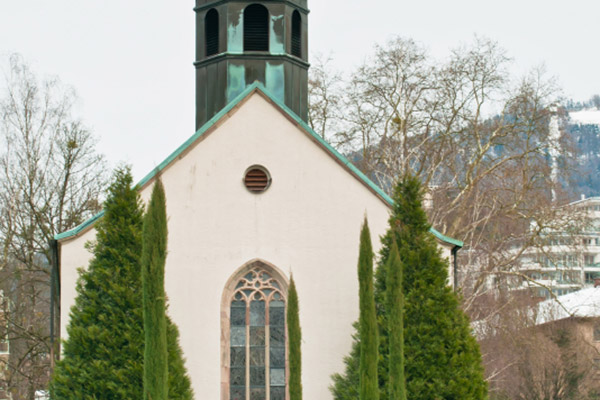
x: 131, y: 61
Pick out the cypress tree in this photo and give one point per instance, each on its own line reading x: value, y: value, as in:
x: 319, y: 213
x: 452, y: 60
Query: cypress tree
x: 369, y: 387
x: 154, y: 253
x: 104, y: 352
x: 395, y: 310
x: 180, y: 387
x: 442, y: 358
x: 345, y: 386
x: 295, y: 338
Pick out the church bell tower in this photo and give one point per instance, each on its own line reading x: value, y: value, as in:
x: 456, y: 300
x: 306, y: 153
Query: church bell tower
x: 240, y: 42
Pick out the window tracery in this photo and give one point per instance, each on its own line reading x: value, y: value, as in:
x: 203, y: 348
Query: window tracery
x: 257, y: 348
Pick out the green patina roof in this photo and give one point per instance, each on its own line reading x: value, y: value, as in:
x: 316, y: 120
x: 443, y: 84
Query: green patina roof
x: 77, y: 230
x: 257, y: 86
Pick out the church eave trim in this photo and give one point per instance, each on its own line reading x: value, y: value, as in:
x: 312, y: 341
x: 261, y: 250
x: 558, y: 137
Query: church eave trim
x: 259, y: 88
x: 80, y: 228
x: 446, y: 239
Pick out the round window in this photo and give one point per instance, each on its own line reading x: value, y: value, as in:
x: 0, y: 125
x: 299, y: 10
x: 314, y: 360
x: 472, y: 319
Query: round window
x: 257, y: 179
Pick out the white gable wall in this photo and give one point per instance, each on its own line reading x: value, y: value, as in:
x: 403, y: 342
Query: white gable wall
x: 73, y: 255
x: 308, y: 222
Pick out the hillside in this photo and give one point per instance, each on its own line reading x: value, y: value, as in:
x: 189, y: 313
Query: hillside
x: 584, y: 128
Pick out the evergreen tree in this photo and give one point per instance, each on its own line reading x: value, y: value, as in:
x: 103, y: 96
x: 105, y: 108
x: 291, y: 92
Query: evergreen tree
x: 294, y: 338
x: 395, y: 310
x: 367, y: 320
x: 103, y: 355
x: 154, y: 253
x: 442, y: 359
x: 180, y: 387
x: 345, y: 386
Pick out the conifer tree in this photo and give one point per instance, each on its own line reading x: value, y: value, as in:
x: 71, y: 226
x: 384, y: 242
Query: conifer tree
x: 442, y: 359
x: 369, y: 387
x: 295, y: 338
x: 345, y: 386
x: 180, y: 386
x: 104, y: 352
x: 154, y: 253
x: 395, y: 318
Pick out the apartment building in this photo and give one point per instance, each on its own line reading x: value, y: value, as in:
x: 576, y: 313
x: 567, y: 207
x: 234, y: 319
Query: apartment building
x: 567, y: 261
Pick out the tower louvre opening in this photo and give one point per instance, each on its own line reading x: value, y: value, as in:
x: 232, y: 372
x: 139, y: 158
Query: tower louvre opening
x: 256, y: 28
x: 212, y: 32
x: 296, y: 34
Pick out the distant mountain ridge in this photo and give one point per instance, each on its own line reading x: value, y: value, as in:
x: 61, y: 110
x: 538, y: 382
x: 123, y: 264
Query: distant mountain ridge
x: 583, y: 125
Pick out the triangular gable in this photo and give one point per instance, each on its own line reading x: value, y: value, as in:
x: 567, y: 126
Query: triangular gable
x: 219, y: 118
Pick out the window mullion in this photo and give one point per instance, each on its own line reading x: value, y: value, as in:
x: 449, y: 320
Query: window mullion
x: 248, y: 350
x: 267, y: 351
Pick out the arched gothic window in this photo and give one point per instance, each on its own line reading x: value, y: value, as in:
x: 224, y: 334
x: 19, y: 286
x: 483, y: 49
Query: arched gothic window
x: 256, y: 28
x: 211, y: 26
x: 296, y: 34
x: 257, y: 335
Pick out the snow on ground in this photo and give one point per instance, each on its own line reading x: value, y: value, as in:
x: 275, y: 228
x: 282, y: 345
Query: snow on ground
x: 586, y: 117
x: 582, y: 303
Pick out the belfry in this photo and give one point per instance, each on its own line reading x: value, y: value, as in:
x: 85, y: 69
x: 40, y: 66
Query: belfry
x: 241, y: 42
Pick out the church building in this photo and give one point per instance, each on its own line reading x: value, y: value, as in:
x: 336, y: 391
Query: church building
x: 253, y: 197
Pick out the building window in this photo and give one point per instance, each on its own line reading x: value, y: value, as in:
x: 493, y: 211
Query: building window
x: 256, y: 28
x: 257, y: 335
x: 597, y: 332
x: 296, y: 34
x: 211, y: 26
x: 588, y: 259
x: 590, y: 277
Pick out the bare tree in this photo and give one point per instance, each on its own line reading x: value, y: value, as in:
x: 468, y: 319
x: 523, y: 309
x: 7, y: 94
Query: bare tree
x: 51, y: 179
x: 324, y: 94
x: 478, y: 139
x: 552, y: 361
x: 385, y: 109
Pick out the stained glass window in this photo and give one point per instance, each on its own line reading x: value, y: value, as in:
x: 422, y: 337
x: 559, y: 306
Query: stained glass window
x: 257, y: 338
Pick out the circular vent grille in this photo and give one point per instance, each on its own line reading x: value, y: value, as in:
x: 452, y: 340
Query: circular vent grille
x: 257, y: 179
